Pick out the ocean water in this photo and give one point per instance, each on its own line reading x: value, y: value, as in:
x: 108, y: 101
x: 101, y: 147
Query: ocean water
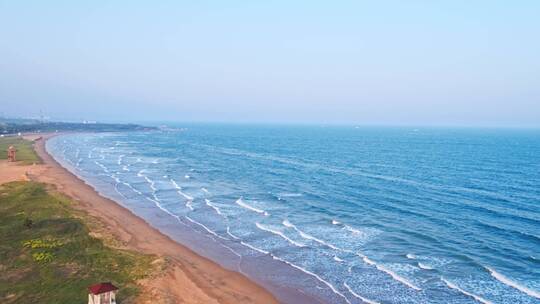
x: 337, y: 214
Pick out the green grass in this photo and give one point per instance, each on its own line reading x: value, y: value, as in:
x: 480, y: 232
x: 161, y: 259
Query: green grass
x: 25, y: 150
x: 48, y: 256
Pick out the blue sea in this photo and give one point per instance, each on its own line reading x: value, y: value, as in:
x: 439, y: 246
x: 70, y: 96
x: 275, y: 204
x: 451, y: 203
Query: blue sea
x: 336, y: 214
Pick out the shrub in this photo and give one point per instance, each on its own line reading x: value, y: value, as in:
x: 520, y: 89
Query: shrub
x: 38, y: 243
x: 28, y: 223
x: 42, y: 257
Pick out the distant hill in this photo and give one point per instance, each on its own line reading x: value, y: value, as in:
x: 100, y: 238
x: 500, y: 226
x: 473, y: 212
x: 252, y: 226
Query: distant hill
x: 16, y: 125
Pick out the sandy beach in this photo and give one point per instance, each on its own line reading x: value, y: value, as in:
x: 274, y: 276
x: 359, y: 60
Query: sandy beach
x: 188, y: 278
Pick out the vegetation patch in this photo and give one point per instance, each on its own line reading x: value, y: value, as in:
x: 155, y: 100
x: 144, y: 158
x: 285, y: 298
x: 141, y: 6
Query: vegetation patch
x: 25, y: 150
x: 39, y: 243
x: 54, y: 259
x: 42, y: 257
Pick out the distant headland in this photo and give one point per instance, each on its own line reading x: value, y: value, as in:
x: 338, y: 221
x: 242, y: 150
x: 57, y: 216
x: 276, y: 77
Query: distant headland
x: 23, y: 125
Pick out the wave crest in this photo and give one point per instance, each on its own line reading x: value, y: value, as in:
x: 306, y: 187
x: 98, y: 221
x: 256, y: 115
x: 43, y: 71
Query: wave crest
x: 506, y: 281
x: 455, y: 287
x: 279, y: 233
x: 394, y: 275
x: 240, y: 202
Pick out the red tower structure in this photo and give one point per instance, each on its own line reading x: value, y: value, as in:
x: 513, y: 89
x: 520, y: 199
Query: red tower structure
x: 11, y: 154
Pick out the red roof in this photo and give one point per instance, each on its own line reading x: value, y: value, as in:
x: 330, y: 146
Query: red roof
x: 102, y: 288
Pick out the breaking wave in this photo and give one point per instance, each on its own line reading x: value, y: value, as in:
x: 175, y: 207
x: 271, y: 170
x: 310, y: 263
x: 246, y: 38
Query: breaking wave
x: 337, y: 292
x: 241, y: 203
x: 411, y: 256
x: 254, y: 248
x: 455, y: 287
x: 279, y: 233
x: 394, y: 275
x: 506, y: 281
x: 359, y: 296
x: 306, y: 236
x: 424, y: 266
x: 205, y: 228
x: 183, y: 194
x: 211, y: 205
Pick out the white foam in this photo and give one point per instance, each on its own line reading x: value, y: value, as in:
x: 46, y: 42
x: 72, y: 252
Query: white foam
x: 209, y: 204
x: 133, y: 189
x: 230, y: 233
x: 314, y: 275
x: 304, y: 235
x: 338, y: 259
x: 102, y: 166
x: 280, y: 196
x: 173, y: 182
x: 394, y: 275
x: 455, y: 287
x: 116, y: 179
x: 367, y: 260
x: 185, y: 195
x: 255, y: 248
x: 410, y: 256
x: 501, y: 278
x: 424, y: 266
x: 279, y: 233
x: 118, y: 191
x: 363, y: 233
x: 205, y: 228
x: 161, y: 207
x: 119, y: 162
x: 233, y: 251
x: 241, y: 203
x: 290, y: 194
x: 175, y: 185
x: 359, y: 296
x: 310, y: 237
x: 125, y: 168
x: 151, y: 182
x: 351, y: 229
x: 189, y: 204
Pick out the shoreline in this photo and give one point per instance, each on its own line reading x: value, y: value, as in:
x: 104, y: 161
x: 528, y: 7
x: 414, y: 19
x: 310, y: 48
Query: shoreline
x: 189, y: 276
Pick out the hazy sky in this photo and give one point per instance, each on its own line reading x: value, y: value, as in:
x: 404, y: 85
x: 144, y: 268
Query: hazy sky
x: 365, y: 62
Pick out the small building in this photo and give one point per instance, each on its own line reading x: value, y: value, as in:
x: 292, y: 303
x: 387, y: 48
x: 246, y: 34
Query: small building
x: 102, y: 293
x: 11, y: 154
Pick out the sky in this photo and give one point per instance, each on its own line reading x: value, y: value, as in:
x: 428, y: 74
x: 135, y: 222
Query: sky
x: 467, y: 63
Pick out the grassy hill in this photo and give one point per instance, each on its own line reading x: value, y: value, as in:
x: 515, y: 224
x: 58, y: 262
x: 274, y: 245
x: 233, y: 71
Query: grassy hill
x: 25, y: 150
x: 47, y: 253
